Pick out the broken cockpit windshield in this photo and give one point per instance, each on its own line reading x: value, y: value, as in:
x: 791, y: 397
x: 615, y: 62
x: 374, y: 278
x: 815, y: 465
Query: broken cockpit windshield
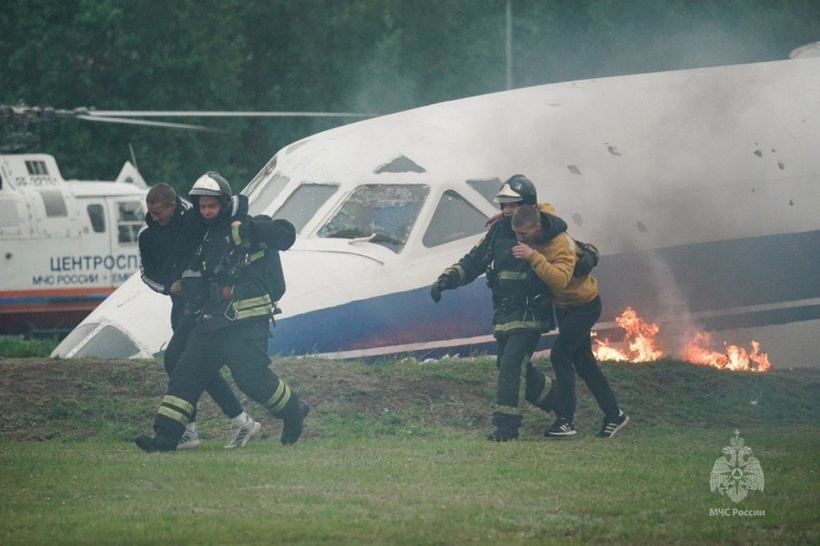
x: 383, y: 214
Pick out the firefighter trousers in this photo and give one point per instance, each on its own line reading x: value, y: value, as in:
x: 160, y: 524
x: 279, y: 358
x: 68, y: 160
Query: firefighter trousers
x: 518, y: 379
x: 243, y: 346
x: 572, y: 353
x: 217, y: 387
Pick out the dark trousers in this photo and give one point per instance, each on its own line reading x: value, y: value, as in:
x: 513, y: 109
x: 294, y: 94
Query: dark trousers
x: 571, y: 353
x: 244, y: 347
x: 216, y: 386
x: 517, y: 378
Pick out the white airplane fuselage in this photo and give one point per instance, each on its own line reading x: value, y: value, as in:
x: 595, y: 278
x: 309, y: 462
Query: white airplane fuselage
x: 699, y: 187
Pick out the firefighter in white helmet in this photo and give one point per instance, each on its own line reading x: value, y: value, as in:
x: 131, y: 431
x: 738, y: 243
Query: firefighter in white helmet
x: 521, y: 312
x: 232, y: 283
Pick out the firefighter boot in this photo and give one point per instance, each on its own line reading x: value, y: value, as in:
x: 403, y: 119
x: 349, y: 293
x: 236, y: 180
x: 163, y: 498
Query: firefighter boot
x: 506, y: 427
x: 154, y: 444
x: 293, y: 419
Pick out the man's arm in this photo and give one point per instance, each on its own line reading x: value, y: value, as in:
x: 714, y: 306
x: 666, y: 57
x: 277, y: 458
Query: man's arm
x: 553, y: 263
x: 467, y: 269
x: 151, y: 263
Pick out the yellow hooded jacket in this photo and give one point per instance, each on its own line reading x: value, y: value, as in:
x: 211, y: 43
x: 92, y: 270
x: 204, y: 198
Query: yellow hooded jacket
x: 554, y: 261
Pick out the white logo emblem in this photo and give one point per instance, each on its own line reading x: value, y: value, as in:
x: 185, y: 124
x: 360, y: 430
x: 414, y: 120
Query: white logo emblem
x: 737, y: 473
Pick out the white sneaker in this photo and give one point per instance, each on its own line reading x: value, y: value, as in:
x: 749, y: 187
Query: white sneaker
x: 243, y: 434
x: 189, y: 440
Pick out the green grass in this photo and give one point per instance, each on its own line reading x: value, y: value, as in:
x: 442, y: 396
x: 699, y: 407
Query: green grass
x: 14, y: 347
x: 384, y: 463
x: 651, y: 486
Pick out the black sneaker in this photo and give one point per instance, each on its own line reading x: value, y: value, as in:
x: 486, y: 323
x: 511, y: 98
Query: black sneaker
x: 151, y: 444
x: 561, y: 428
x: 501, y: 435
x: 292, y: 426
x: 612, y: 426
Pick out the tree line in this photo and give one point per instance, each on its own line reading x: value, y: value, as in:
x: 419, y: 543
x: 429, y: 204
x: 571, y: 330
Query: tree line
x: 370, y: 56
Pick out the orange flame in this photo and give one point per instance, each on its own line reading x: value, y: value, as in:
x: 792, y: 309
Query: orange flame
x: 640, y: 338
x: 734, y: 358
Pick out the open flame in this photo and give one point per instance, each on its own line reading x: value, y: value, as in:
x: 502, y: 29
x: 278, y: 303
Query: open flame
x: 642, y: 347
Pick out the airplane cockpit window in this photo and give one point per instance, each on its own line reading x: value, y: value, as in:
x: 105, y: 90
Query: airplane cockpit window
x: 454, y: 219
x: 96, y: 214
x: 260, y: 176
x: 261, y: 199
x: 487, y: 187
x: 383, y: 214
x: 109, y: 342
x: 303, y: 203
x: 130, y: 220
x: 73, y: 338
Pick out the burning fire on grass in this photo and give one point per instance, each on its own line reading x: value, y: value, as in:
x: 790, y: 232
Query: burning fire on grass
x: 643, y: 347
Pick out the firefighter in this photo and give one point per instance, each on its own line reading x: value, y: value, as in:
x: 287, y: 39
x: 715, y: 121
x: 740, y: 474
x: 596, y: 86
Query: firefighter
x: 577, y: 308
x: 172, y: 233
x: 521, y: 312
x: 229, y: 283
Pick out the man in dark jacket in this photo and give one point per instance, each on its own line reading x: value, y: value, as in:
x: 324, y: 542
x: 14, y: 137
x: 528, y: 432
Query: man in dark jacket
x: 521, y: 312
x: 229, y: 283
x: 167, y: 243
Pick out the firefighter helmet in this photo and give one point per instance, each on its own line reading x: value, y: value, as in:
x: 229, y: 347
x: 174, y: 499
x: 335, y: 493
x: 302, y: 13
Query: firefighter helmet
x: 211, y: 183
x: 517, y: 189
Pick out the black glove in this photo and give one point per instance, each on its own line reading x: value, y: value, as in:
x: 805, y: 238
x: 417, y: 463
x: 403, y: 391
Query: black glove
x: 446, y: 281
x: 435, y: 292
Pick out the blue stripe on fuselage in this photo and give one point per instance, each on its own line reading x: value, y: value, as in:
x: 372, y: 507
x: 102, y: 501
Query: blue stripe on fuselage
x: 661, y: 285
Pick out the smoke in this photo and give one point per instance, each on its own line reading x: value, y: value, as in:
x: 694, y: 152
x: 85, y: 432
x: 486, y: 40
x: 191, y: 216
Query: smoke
x: 432, y: 52
x: 676, y: 322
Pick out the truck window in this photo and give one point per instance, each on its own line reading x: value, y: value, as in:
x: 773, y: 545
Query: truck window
x: 130, y: 220
x: 96, y: 214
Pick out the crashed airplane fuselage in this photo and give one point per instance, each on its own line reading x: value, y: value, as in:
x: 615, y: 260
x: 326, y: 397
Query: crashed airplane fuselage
x: 699, y: 187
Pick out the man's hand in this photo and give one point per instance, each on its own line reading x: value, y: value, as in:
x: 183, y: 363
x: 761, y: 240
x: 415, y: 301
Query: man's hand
x: 176, y: 288
x: 522, y: 251
x: 493, y: 219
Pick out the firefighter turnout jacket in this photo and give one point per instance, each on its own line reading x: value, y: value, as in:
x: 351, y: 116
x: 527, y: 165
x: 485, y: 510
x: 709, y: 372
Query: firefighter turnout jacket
x: 165, y: 251
x: 231, y: 278
x: 519, y: 302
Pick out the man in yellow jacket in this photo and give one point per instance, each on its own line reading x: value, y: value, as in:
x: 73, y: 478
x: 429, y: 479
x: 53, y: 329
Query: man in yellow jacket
x: 577, y: 309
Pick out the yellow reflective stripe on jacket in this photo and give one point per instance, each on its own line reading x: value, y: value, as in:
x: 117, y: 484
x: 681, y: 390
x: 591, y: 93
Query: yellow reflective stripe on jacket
x: 253, y: 307
x: 512, y: 275
x: 521, y: 324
